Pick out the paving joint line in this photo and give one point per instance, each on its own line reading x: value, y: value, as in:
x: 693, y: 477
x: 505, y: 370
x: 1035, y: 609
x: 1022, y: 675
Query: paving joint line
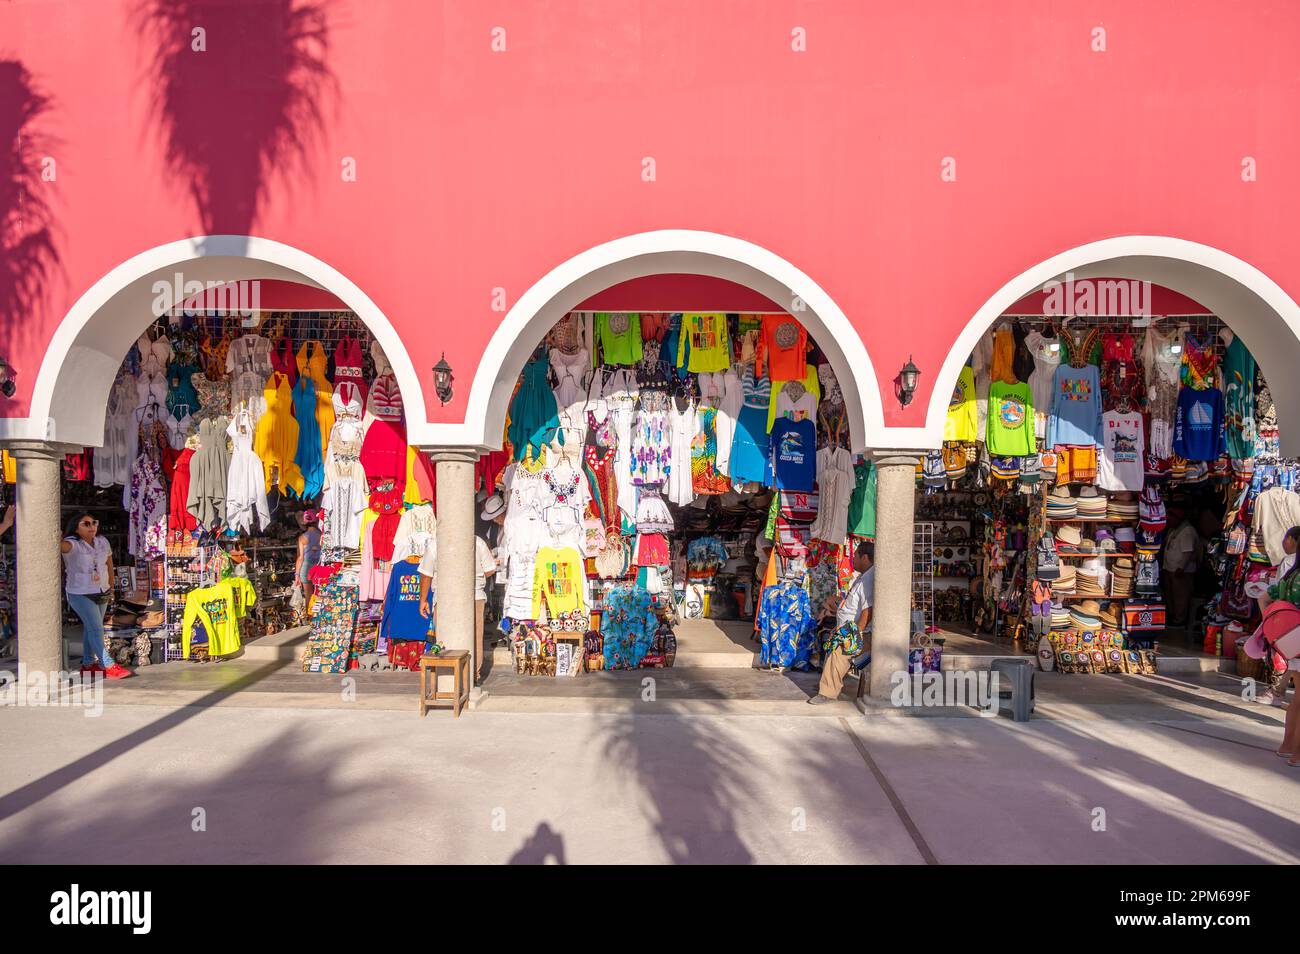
x: 915, y: 833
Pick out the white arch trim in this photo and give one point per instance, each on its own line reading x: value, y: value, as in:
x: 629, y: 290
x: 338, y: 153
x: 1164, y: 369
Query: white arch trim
x: 1250, y: 302
x: 660, y: 252
x: 110, y: 315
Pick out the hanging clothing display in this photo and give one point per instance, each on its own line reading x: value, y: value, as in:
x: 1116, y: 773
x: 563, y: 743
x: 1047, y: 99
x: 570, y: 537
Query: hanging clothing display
x: 787, y: 627
x: 1010, y: 419
x: 960, y: 423
x: 245, y: 491
x: 534, y: 418
x: 1121, y: 465
x: 704, y: 344
x: 749, y: 447
x: 1199, y: 432
x: 276, y: 441
x: 782, y: 349
x: 619, y: 337
x: 1076, y: 407
x: 308, y: 456
x: 1239, y: 400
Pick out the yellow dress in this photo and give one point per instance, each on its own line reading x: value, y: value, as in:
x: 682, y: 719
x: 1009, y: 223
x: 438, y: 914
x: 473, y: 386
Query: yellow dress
x: 312, y: 363
x: 276, y: 438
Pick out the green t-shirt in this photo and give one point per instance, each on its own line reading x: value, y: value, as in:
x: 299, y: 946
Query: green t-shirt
x: 619, y: 337
x: 1011, y: 420
x: 862, y: 505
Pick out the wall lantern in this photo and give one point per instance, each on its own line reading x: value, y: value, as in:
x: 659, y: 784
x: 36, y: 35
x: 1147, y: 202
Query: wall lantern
x: 442, y: 378
x: 905, y: 383
x: 8, y: 378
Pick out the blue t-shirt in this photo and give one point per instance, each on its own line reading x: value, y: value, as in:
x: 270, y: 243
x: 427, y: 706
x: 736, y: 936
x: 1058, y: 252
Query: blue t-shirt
x: 1076, y: 407
x: 1198, y: 429
x: 793, y: 450
x: 402, y: 619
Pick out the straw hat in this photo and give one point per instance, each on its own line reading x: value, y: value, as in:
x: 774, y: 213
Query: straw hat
x: 1068, y: 535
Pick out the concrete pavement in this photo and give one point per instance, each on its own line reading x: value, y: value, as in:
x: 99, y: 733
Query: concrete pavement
x: 661, y: 783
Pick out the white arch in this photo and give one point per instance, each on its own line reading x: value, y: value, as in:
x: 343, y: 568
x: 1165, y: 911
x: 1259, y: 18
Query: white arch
x: 1252, y: 304
x: 663, y: 252
x: 77, y: 372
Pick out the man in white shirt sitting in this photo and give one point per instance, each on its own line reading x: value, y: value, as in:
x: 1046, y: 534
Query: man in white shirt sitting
x: 852, y: 627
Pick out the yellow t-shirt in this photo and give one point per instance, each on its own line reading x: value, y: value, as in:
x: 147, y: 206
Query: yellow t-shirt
x: 219, y: 608
x: 558, y: 578
x: 962, y: 421
x: 704, y: 344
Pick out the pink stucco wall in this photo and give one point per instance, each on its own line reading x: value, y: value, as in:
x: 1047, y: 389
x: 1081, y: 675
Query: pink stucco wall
x: 478, y: 169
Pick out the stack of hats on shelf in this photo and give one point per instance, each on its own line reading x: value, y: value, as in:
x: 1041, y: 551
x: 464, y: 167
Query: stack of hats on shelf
x: 1110, y: 616
x: 1088, y: 583
x: 1125, y: 539
x: 1122, y: 506
x: 1121, y: 578
x: 1060, y: 616
x: 1105, y: 541
x: 1090, y: 504
x: 1061, y: 505
x: 1068, y: 538
x: 1085, y: 616
x: 1064, y: 584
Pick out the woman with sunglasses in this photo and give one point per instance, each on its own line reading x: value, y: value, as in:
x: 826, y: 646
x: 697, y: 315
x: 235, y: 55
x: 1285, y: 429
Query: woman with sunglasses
x: 88, y: 560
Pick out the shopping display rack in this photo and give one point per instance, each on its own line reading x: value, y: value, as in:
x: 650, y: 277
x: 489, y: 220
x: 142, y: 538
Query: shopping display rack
x: 923, y: 575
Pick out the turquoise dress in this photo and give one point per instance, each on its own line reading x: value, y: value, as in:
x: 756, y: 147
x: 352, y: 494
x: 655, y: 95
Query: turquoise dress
x: 534, y: 415
x: 308, y: 456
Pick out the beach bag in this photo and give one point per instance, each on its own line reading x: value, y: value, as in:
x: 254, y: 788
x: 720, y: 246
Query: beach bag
x: 593, y: 537
x: 1281, y: 627
x: 612, y: 562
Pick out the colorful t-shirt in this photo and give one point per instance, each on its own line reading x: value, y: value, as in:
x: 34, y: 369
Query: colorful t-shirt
x: 1011, y: 420
x: 619, y: 336
x: 960, y: 423
x: 704, y: 344
x: 1121, y: 466
x: 1076, y: 407
x: 783, y: 347
x: 793, y: 449
x: 402, y: 618
x: 1239, y: 400
x: 1199, y: 427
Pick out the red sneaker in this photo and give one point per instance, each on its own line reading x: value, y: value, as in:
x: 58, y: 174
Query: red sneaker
x: 117, y: 672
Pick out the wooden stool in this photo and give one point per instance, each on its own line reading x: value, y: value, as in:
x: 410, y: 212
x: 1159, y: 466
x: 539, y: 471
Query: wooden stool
x: 456, y: 660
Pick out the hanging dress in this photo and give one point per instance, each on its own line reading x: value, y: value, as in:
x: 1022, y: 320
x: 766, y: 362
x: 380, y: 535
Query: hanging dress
x: 570, y: 372
x: 276, y: 438
x: 312, y: 362
x: 1121, y: 383
x: 705, y: 478
x: 383, y: 447
x: 344, y: 490
x: 1162, y: 358
x: 348, y: 367
x: 749, y: 448
x: 534, y: 418
x: 620, y: 392
x: 652, y: 440
x: 245, y: 477
x: 835, y: 485
x: 308, y: 456
x: 598, y: 464
x: 683, y: 423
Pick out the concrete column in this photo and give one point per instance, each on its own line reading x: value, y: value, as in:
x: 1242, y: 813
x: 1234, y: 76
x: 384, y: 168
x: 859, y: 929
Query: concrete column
x: 40, y: 567
x: 455, y: 536
x: 892, y: 613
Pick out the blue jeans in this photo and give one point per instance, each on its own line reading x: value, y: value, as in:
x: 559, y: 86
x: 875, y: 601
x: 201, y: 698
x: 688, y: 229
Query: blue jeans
x: 92, y: 623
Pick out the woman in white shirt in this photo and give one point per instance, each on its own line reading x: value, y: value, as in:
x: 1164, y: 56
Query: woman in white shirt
x: 88, y: 559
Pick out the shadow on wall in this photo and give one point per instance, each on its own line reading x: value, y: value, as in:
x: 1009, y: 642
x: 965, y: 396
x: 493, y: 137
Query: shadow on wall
x: 29, y: 257
x: 239, y: 93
